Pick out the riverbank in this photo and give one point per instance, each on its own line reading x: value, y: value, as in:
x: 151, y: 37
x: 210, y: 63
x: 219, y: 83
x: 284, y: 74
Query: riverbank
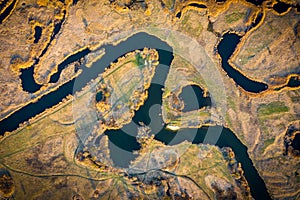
x: 258, y: 120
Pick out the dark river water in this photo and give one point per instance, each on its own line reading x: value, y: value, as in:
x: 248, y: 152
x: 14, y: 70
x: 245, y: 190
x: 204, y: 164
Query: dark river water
x: 37, y: 34
x: 191, y: 103
x: 296, y: 142
x: 7, y: 11
x: 225, y: 48
x: 294, y: 81
x: 119, y: 140
x: 281, y: 7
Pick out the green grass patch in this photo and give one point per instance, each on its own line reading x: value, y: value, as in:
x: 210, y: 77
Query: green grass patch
x: 189, y: 25
x: 139, y: 61
x: 264, y: 129
x: 233, y: 17
x: 231, y: 103
x: 268, y: 142
x: 272, y: 108
x: 185, y: 19
x: 228, y: 120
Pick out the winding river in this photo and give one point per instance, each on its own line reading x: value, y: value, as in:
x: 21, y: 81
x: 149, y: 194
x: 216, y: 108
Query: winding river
x: 225, y: 48
x: 129, y: 142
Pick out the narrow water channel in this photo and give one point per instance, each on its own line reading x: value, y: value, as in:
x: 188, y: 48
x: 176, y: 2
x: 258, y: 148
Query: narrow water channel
x: 7, y: 11
x: 226, y: 48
